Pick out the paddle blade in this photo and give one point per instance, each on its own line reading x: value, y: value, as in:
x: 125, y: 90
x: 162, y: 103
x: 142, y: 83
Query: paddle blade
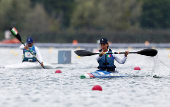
x: 83, y: 53
x: 15, y: 33
x: 148, y: 52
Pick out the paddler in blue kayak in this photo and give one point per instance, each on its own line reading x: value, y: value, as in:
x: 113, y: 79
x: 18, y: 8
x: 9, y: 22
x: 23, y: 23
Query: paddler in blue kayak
x: 27, y: 56
x: 106, y: 61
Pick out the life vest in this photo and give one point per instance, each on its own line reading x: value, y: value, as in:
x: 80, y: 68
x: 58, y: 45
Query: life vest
x: 27, y: 56
x: 107, y: 61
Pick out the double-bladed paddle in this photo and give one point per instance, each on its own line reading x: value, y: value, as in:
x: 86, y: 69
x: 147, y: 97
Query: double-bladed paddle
x: 16, y: 34
x: 147, y: 52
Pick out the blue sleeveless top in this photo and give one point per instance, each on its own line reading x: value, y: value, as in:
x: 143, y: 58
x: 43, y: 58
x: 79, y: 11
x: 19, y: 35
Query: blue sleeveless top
x: 106, y: 61
x: 27, y: 56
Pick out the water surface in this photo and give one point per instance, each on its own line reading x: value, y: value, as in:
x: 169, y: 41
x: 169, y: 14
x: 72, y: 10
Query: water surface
x: 44, y: 88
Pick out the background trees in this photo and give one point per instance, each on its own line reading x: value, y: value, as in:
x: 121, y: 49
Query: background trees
x: 155, y: 14
x: 77, y: 19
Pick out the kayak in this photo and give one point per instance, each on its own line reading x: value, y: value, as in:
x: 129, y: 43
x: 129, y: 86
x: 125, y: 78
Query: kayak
x: 103, y: 74
x: 29, y: 65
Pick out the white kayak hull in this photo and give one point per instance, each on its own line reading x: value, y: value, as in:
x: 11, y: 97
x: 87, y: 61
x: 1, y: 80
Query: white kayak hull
x: 29, y: 65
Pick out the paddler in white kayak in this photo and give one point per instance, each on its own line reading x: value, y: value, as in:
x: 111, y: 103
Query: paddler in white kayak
x: 27, y: 56
x: 106, y: 61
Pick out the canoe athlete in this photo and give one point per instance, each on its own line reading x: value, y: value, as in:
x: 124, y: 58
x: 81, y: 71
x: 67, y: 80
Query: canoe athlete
x: 106, y: 61
x: 27, y: 56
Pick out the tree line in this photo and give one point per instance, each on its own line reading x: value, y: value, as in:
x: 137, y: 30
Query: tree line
x: 65, y: 20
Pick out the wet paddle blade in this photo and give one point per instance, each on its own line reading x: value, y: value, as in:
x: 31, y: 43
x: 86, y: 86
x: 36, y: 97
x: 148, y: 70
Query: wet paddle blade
x: 15, y: 33
x: 148, y: 52
x: 83, y: 53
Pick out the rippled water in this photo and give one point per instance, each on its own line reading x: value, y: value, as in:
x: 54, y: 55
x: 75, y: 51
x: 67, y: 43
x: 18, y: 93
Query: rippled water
x: 44, y: 88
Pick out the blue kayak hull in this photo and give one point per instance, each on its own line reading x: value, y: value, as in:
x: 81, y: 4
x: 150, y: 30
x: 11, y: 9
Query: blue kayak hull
x: 103, y: 74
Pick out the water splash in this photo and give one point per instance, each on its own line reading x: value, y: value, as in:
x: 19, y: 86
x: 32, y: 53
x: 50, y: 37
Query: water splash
x: 160, y: 69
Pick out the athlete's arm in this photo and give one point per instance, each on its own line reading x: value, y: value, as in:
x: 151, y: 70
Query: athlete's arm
x: 21, y: 47
x: 97, y: 56
x: 38, y: 54
x: 119, y: 59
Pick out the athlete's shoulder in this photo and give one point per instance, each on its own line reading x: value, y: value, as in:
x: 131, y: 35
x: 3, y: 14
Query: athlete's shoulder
x: 36, y: 48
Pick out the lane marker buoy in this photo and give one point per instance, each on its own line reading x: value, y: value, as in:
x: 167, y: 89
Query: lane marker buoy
x: 97, y: 88
x: 15, y: 54
x: 50, y: 49
x: 78, y: 48
x: 147, y: 43
x: 137, y: 68
x: 11, y: 51
x: 153, y: 48
x: 129, y: 48
x: 78, y: 56
x: 58, y: 71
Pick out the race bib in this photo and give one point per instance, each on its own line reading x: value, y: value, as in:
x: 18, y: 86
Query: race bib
x: 28, y: 55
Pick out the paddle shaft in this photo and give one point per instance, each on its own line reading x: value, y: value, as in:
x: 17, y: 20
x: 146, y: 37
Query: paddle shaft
x: 147, y: 52
x: 118, y: 53
x: 125, y: 52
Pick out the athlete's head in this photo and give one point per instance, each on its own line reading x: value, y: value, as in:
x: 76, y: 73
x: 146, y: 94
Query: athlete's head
x: 104, y: 44
x: 30, y: 41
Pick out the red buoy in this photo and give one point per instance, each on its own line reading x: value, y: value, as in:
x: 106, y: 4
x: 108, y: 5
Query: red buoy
x: 58, y: 71
x: 137, y: 68
x: 97, y: 88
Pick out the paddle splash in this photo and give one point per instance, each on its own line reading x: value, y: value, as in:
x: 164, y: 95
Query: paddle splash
x: 160, y: 69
